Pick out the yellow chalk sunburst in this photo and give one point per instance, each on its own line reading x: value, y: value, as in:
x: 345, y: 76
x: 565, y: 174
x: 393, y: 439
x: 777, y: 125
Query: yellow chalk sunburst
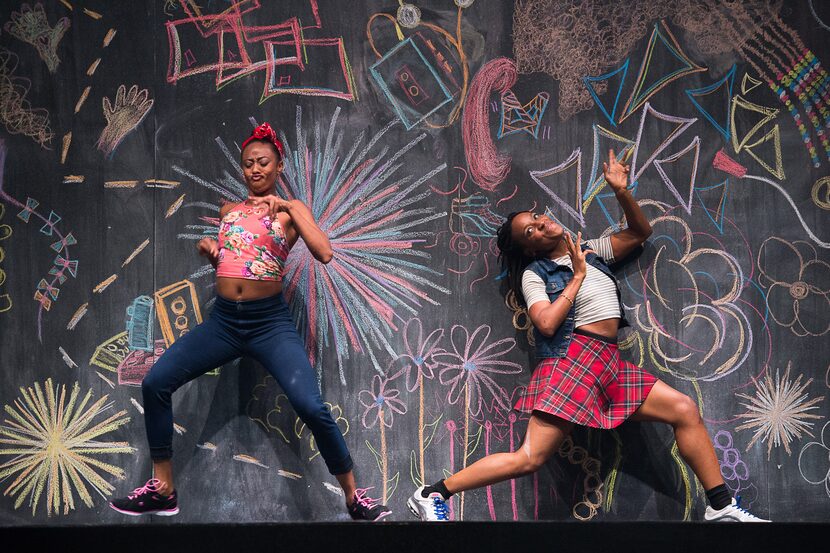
x: 53, y: 441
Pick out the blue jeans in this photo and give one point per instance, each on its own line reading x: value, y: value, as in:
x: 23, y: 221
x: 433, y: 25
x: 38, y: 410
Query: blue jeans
x: 261, y: 329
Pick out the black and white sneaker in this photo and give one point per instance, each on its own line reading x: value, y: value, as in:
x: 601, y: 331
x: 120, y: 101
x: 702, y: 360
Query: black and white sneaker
x: 147, y: 501
x: 364, y: 507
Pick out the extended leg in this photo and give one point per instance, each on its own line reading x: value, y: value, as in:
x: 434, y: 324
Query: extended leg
x: 543, y: 437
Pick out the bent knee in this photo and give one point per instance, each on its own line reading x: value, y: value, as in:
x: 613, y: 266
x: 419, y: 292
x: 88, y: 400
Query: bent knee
x: 527, y: 464
x: 686, y: 411
x: 312, y: 412
x: 150, y: 386
x: 156, y: 388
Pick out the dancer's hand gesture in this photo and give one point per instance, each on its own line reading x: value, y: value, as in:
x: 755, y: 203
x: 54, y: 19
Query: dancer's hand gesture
x: 273, y: 204
x: 577, y: 254
x: 616, y: 173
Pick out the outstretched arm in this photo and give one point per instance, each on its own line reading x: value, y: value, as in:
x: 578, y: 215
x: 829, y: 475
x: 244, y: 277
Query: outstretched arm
x: 639, y: 229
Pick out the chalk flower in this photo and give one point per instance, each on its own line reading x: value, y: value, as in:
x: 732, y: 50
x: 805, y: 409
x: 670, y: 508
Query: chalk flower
x: 380, y: 403
x: 798, y: 296
x: 471, y: 363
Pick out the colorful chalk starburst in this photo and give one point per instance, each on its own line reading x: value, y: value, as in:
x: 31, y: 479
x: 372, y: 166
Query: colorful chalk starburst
x: 364, y: 202
x: 54, y: 443
x: 364, y: 205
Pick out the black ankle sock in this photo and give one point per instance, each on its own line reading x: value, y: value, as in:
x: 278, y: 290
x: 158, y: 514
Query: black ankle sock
x: 437, y: 487
x: 719, y: 497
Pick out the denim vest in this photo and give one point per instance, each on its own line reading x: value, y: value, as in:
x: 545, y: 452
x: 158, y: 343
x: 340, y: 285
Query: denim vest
x: 556, y: 277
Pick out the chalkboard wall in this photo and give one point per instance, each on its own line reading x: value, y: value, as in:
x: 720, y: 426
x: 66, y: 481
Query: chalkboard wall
x: 411, y: 130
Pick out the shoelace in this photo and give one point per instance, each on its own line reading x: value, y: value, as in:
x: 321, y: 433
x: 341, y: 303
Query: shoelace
x: 738, y: 506
x: 149, y: 486
x: 361, y: 498
x: 439, y: 506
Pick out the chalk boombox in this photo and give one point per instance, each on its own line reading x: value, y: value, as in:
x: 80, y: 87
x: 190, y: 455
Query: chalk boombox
x: 177, y: 308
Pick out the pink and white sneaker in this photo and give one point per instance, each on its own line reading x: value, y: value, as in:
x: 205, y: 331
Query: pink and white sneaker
x: 364, y: 507
x: 146, y: 500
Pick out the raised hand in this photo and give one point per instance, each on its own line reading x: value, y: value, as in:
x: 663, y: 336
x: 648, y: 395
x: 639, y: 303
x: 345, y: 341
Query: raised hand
x: 616, y: 173
x: 129, y: 110
x: 30, y: 25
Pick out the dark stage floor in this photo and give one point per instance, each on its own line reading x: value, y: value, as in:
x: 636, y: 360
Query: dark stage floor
x: 396, y: 537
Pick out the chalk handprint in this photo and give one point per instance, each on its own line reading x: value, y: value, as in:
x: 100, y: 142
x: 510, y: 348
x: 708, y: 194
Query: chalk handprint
x: 129, y: 110
x: 30, y: 25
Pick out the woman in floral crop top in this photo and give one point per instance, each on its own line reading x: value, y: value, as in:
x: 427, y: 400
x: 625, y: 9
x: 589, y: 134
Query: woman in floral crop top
x: 251, y: 316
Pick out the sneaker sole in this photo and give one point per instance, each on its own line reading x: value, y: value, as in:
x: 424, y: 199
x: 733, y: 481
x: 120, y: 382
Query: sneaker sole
x: 382, y: 516
x: 730, y: 517
x: 166, y: 513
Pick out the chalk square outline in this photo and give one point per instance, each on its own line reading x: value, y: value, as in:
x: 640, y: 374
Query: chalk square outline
x: 271, y: 89
x: 388, y: 93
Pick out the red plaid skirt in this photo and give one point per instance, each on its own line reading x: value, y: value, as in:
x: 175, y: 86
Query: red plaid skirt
x: 590, y: 386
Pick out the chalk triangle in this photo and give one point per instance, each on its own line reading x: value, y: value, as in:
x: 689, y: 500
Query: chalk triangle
x: 569, y: 185
x: 748, y: 83
x: 649, y: 118
x: 746, y: 120
x: 682, y: 163
x: 613, y: 81
x: 715, y: 102
x: 767, y: 152
x: 713, y: 200
x: 662, y: 51
x: 604, y: 140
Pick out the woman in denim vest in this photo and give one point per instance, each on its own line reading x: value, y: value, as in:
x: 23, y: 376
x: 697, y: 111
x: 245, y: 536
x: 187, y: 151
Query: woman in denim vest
x: 574, y: 303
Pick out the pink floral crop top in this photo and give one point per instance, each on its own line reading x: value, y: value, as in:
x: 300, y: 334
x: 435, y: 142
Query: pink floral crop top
x: 251, y: 245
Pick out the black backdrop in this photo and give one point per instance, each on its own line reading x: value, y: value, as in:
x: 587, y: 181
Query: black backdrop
x: 121, y: 125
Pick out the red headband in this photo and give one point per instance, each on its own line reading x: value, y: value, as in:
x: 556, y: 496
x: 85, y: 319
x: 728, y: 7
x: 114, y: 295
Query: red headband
x: 266, y: 133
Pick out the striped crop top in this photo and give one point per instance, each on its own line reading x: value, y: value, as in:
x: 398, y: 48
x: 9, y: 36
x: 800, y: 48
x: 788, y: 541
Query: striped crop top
x: 596, y: 299
x: 251, y: 245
